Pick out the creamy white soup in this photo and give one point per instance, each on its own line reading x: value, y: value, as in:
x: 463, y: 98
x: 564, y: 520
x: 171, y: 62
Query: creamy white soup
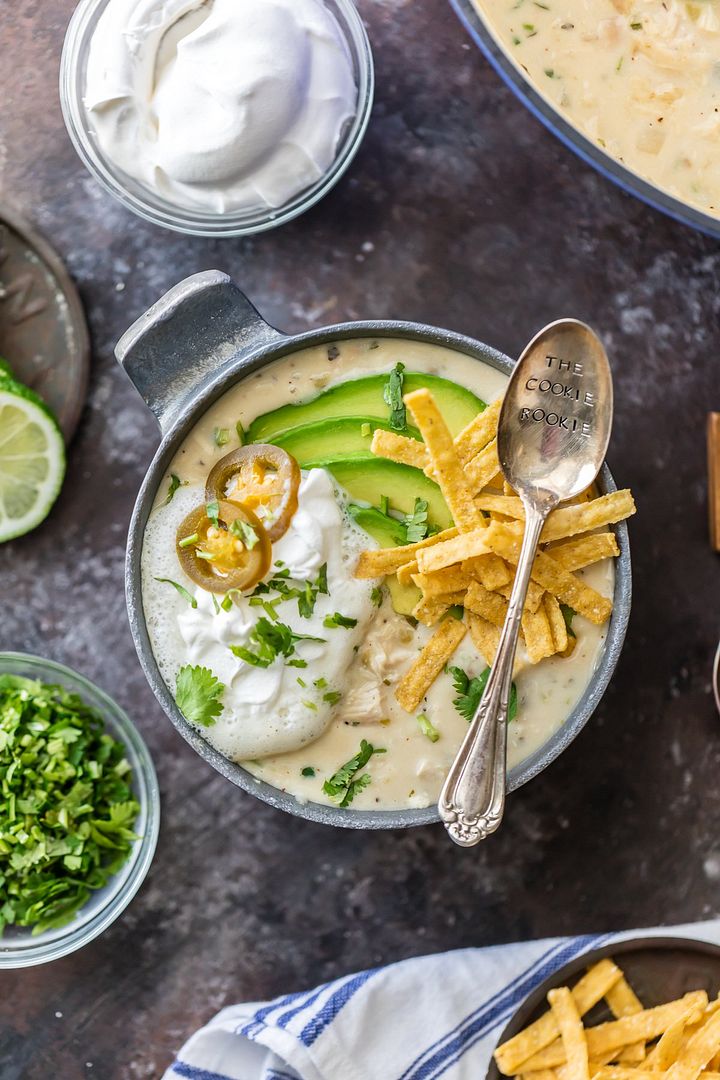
x: 296, y: 721
x: 639, y: 78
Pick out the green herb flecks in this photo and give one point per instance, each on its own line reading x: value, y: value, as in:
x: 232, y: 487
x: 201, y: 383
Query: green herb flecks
x: 240, y: 432
x: 181, y: 590
x: 332, y: 622
x: 428, y: 729
x: 416, y: 524
x: 188, y: 541
x: 307, y: 771
x: 332, y: 696
x: 245, y: 532
x: 393, y: 397
x: 212, y: 510
x: 346, y: 783
x: 66, y: 805
x: 197, y: 693
x: 270, y: 640
x: 376, y: 595
x: 470, y: 691
x: 568, y: 615
x: 175, y: 483
x: 221, y: 436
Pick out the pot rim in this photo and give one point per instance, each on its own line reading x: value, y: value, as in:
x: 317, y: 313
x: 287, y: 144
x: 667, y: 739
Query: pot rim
x: 227, y: 375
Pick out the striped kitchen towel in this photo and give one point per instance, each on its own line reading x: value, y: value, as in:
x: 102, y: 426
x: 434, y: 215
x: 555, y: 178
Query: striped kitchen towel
x: 420, y: 1019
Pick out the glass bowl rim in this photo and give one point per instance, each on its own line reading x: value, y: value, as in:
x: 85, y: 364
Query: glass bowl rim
x: 187, y: 221
x: 74, y: 936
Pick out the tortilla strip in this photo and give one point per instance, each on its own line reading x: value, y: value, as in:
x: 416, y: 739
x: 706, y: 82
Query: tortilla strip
x: 541, y: 1074
x: 538, y: 635
x: 481, y: 469
x: 667, y: 1049
x: 479, y: 432
x: 647, y: 1024
x: 567, y: 520
x: 416, y: 682
x: 572, y: 1033
x: 444, y: 458
x: 534, y: 597
x: 488, y: 605
x: 621, y: 997
x: 485, y: 636
x: 624, y: 1072
x: 382, y: 561
x: 388, y: 444
x: 576, y: 554
x: 429, y: 610
x: 517, y: 1051
x: 558, y: 630
x: 457, y: 549
x: 451, y: 579
x: 489, y: 570
x: 406, y: 571
x: 701, y: 1048
x: 565, y: 586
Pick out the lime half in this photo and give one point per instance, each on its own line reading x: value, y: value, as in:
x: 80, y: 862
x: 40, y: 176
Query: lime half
x: 32, y: 459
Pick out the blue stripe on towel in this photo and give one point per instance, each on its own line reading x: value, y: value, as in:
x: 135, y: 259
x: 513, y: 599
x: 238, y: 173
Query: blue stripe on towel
x: 337, y: 1001
x: 194, y: 1072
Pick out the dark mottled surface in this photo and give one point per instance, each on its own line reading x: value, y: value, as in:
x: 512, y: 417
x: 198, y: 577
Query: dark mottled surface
x: 459, y: 210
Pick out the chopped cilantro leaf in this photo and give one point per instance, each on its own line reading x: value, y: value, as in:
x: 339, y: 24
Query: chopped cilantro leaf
x: 221, y: 436
x: 427, y: 728
x: 365, y: 431
x: 271, y: 640
x: 213, y: 512
x: 384, y: 505
x: 470, y: 692
x: 332, y: 696
x: 345, y: 783
x: 376, y: 595
x: 197, y: 694
x: 416, y: 524
x: 240, y: 432
x: 310, y: 705
x: 307, y: 771
x: 226, y: 603
x: 568, y: 614
x: 188, y: 541
x: 213, y: 597
x: 175, y: 483
x: 393, y: 397
x: 332, y: 622
x: 320, y: 684
x: 297, y: 661
x: 181, y: 590
x: 67, y: 808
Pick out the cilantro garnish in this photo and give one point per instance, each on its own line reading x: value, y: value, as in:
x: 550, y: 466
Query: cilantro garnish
x: 568, y: 614
x: 470, y: 691
x: 221, y: 436
x: 332, y: 696
x: 392, y: 396
x: 181, y: 590
x: 197, y: 694
x: 213, y: 512
x: 306, y: 595
x: 416, y: 524
x: 345, y: 783
x: 376, y: 595
x: 240, y: 432
x: 188, y: 541
x: 175, y: 483
x: 245, y: 532
x: 307, y: 771
x: 271, y: 639
x: 67, y: 808
x: 332, y: 622
x: 428, y: 729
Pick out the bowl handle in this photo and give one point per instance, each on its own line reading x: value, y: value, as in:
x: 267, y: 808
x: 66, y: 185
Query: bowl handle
x: 184, y: 340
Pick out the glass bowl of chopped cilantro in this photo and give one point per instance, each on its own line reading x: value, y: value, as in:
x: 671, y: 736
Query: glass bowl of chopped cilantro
x: 79, y: 810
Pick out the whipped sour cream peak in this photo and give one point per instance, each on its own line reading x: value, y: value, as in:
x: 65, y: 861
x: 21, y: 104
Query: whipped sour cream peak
x: 220, y: 105
x: 264, y: 711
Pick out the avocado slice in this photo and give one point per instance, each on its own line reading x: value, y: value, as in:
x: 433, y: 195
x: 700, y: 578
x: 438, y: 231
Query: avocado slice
x: 337, y: 438
x: 367, y: 478
x: 381, y: 528
x: 364, y: 397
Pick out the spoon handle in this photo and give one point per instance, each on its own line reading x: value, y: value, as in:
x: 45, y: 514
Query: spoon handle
x: 473, y: 797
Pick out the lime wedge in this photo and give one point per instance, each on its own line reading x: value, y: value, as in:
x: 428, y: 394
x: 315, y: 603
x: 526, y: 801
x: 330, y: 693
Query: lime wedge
x: 32, y: 459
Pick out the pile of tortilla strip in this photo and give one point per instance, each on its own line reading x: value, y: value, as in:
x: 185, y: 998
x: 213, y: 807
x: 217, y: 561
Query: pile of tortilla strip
x: 473, y: 564
x: 558, y: 1046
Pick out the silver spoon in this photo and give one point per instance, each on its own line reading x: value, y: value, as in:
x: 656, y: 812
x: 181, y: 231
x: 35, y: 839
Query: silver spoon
x: 553, y: 433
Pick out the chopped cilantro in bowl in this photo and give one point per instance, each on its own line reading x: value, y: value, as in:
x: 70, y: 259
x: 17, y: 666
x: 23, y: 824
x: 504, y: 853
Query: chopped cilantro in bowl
x: 79, y: 810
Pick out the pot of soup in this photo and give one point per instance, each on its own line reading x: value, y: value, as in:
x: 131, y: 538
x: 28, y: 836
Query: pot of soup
x: 308, y: 612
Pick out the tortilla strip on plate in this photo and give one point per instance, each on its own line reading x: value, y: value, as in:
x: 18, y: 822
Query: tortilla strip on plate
x: 479, y: 432
x: 388, y: 444
x: 588, y: 990
x: 416, y: 682
x: 558, y: 626
x: 623, y: 1001
x: 485, y: 636
x: 567, y: 520
x: 430, y: 609
x: 572, y: 1033
x: 538, y: 635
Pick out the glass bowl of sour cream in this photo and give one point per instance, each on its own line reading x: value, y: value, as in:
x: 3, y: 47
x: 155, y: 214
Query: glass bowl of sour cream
x: 220, y: 118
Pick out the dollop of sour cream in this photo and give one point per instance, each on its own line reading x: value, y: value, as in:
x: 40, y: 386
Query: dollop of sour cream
x: 279, y: 708
x: 220, y: 105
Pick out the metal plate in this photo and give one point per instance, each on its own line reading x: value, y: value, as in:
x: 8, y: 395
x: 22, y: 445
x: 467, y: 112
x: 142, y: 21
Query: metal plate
x: 43, y: 333
x: 659, y: 969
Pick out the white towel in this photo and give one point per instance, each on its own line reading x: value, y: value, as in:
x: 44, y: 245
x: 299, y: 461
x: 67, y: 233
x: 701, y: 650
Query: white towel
x: 420, y: 1019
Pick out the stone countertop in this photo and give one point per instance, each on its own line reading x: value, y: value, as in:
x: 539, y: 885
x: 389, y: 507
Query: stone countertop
x: 460, y: 210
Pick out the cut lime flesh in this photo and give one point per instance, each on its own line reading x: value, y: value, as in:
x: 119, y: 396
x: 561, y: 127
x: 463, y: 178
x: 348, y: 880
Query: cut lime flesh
x: 32, y: 460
